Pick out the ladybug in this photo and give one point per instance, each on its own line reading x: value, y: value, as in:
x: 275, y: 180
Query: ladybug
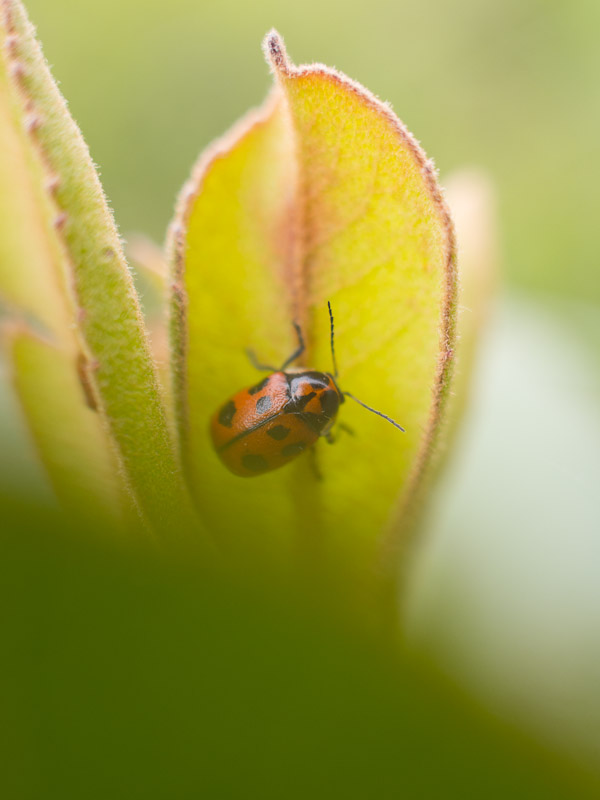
x: 271, y: 423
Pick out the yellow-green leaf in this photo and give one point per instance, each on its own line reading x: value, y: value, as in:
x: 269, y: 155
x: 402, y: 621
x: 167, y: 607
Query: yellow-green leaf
x: 322, y: 195
x: 229, y: 250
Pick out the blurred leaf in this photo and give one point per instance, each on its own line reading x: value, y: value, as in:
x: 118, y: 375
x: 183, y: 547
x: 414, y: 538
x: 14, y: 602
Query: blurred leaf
x: 505, y: 588
x: 129, y: 675
x: 75, y: 281
x: 322, y: 195
x: 149, y: 259
x: 472, y: 199
x: 29, y: 253
x: 34, y: 287
x: 64, y: 427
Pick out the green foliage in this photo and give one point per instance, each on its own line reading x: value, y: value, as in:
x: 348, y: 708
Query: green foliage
x: 131, y: 670
x: 512, y: 86
x: 132, y: 674
x: 323, y: 195
x: 64, y: 233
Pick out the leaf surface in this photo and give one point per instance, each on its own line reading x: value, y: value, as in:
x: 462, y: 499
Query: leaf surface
x: 322, y: 196
x: 230, y: 247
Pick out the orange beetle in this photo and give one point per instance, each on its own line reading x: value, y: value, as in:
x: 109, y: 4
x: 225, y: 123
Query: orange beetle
x: 266, y: 426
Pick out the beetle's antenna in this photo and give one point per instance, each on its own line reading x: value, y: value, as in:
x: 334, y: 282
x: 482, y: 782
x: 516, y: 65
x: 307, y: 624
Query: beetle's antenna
x: 335, y: 369
x: 379, y: 413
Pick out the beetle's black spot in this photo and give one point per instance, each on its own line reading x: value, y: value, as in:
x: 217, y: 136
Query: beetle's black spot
x: 227, y: 413
x: 301, y: 402
x: 316, y: 422
x: 263, y: 404
x: 278, y: 432
x: 293, y: 449
x: 255, y: 463
x: 257, y: 388
x: 330, y: 402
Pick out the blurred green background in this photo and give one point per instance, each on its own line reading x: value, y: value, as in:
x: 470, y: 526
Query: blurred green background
x: 512, y: 86
x: 506, y: 588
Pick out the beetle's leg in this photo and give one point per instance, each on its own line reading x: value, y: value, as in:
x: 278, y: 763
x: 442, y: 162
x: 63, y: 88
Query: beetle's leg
x: 343, y: 427
x: 332, y: 437
x: 314, y: 465
x: 256, y: 363
x: 297, y: 353
x: 269, y: 367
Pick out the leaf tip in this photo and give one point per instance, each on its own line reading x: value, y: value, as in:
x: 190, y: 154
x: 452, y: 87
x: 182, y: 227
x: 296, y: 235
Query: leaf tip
x: 275, y: 52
